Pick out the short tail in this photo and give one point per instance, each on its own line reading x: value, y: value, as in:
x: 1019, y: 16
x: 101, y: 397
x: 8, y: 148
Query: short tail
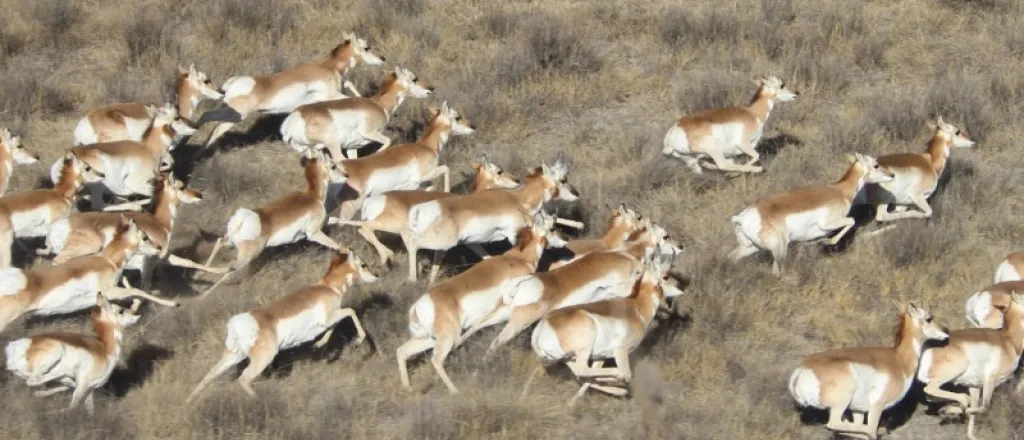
x: 242, y: 332
x: 244, y: 225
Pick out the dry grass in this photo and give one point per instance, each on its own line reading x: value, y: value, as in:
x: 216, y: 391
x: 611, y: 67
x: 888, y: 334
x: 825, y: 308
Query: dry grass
x: 601, y: 80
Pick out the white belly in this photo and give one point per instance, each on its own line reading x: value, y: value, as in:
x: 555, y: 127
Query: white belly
x: 291, y: 97
x: 726, y: 138
x: 74, y: 295
x: 302, y: 327
x: 607, y: 286
x: 490, y: 229
x: 350, y: 126
x: 871, y: 388
x: 808, y: 225
x: 611, y: 334
x: 478, y: 304
x: 291, y: 233
x: 402, y: 177
x: 31, y: 223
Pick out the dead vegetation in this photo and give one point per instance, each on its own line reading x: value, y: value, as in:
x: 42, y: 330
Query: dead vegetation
x: 602, y: 81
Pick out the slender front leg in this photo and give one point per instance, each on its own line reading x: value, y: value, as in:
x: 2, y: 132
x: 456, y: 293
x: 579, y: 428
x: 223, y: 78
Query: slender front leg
x: 750, y: 149
x: 175, y: 260
x: 122, y: 292
x: 724, y: 164
x: 407, y: 350
x: 335, y: 319
x: 322, y: 239
x: 435, y: 268
x: 846, y: 223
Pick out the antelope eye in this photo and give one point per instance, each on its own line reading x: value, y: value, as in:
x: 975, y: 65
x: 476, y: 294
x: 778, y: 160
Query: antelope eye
x: 929, y: 320
x: 958, y: 132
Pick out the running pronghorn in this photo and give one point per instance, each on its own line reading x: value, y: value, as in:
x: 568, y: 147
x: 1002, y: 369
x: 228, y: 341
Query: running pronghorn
x: 294, y: 217
x: 1011, y: 268
x: 980, y: 359
x: 483, y: 217
x: 78, y: 362
x: 351, y: 123
x: 723, y: 133
x: 73, y: 286
x: 389, y: 211
x: 438, y: 317
x: 981, y: 311
x: 608, y: 329
x: 594, y: 277
x: 284, y: 91
x: 865, y: 380
x: 86, y: 233
x: 13, y: 152
x: 129, y: 121
x: 292, y: 320
x: 916, y: 175
x: 31, y: 213
x: 129, y: 167
x: 804, y: 214
x: 404, y: 166
x: 623, y: 223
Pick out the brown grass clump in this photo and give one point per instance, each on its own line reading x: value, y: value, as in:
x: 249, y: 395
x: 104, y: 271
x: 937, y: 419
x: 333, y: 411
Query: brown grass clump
x: 602, y: 80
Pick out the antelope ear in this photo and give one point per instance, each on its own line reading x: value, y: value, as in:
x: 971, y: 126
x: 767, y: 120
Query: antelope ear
x: 434, y: 111
x: 444, y: 107
x: 182, y: 70
x: 939, y: 121
x: 851, y: 158
x: 192, y: 70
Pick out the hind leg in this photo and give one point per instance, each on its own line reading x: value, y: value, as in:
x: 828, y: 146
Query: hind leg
x: 445, y: 343
x: 260, y: 357
x: 66, y: 384
x: 520, y: 319
x: 844, y: 225
x: 779, y: 247
x: 412, y: 248
x: 228, y: 360
x: 744, y: 247
x: 407, y: 350
x: 379, y: 137
x: 322, y: 239
x: 435, y: 267
x: 385, y: 254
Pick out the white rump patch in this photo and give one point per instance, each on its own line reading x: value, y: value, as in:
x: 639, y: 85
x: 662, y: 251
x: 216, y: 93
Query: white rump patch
x: 423, y: 325
x: 422, y: 215
x: 293, y: 130
x: 522, y: 290
x: 238, y: 86
x: 17, y: 362
x: 676, y: 142
x: 1006, y: 272
x: 979, y: 306
x: 84, y: 132
x: 545, y: 342
x: 242, y: 332
x: 55, y: 170
x: 373, y: 206
x: 244, y: 225
x: 12, y: 281
x: 805, y: 387
x: 57, y: 237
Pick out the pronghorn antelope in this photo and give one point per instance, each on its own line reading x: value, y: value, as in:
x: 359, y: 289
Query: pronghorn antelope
x: 1011, y: 268
x: 292, y: 320
x: 723, y: 133
x: 611, y: 328
x: 980, y: 359
x: 13, y: 152
x: 594, y: 277
x: 482, y: 217
x: 295, y: 216
x: 73, y: 286
x: 129, y: 121
x: 404, y: 166
x: 284, y: 91
x: 389, y: 211
x: 351, y: 123
x: 865, y: 380
x: 129, y: 167
x: 623, y: 223
x: 804, y: 214
x: 981, y: 311
x: 438, y: 317
x: 31, y: 213
x: 78, y: 362
x: 916, y: 175
x: 85, y: 233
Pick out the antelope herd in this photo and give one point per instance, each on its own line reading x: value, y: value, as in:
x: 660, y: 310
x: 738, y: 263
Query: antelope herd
x: 590, y: 307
